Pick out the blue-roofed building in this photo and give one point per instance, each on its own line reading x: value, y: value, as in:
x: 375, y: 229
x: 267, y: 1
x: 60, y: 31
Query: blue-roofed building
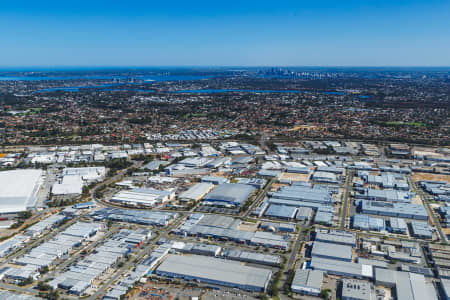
x: 365, y: 222
x: 397, y: 225
x: 421, y: 230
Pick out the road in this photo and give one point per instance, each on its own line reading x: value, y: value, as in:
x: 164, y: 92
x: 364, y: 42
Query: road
x: 260, y: 197
x: 346, y: 194
x: 297, y: 244
x: 429, y: 210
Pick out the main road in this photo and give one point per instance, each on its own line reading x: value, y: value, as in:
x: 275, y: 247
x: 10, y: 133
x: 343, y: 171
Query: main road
x: 429, y: 210
x: 345, y: 204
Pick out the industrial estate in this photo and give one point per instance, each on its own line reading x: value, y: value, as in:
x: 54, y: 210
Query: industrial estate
x: 283, y: 209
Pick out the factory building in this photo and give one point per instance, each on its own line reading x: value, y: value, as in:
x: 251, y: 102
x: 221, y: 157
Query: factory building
x: 336, y: 237
x: 342, y: 268
x: 385, y: 195
x: 253, y: 257
x: 214, y: 180
x: 156, y: 218
x: 304, y: 214
x: 397, y: 225
x: 408, y: 286
x: 353, y: 289
x: 228, y: 194
x: 400, y: 210
x: 18, y: 190
x: 196, y: 192
x: 421, y: 230
x: 143, y: 197
x: 281, y: 212
x: 213, y: 270
x: 307, y: 282
x: 365, y: 222
x: 332, y: 251
x: 324, y: 177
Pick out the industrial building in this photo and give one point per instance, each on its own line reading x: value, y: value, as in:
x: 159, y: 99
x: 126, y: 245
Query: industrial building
x: 397, y: 225
x: 213, y: 270
x: 143, y: 197
x: 214, y: 180
x: 228, y: 194
x: 196, y: 192
x: 253, y: 257
x: 226, y: 228
x: 342, y: 268
x: 156, y: 218
x: 400, y: 210
x: 365, y: 222
x: 307, y: 281
x: 281, y: 212
x: 385, y: 195
x: 332, y: 251
x: 408, y: 286
x: 421, y: 230
x: 304, y: 214
x: 337, y: 237
x: 325, y: 177
x: 73, y: 179
x: 353, y: 289
x: 18, y: 190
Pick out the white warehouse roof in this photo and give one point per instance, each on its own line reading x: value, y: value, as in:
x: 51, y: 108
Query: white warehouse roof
x: 18, y: 189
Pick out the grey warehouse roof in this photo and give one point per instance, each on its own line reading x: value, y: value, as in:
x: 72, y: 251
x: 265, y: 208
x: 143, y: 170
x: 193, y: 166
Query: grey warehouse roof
x: 215, y: 269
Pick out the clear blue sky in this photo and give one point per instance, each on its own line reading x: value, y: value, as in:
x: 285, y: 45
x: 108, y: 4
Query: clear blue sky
x: 224, y: 33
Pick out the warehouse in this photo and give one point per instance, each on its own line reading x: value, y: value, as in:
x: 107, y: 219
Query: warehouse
x: 365, y: 222
x: 196, y: 192
x: 332, y: 251
x: 258, y: 183
x: 281, y: 212
x: 215, y: 271
x: 398, y: 225
x: 143, y: 197
x: 324, y: 216
x: 253, y: 257
x: 304, y: 214
x: 19, y: 190
x: 325, y: 177
x: 214, y: 179
x: 158, y: 218
x: 229, y: 194
x: 385, y: 195
x: 307, y: 281
x: 356, y: 290
x: 337, y: 237
x: 421, y: 230
x: 408, y: 286
x: 400, y: 210
x: 342, y: 268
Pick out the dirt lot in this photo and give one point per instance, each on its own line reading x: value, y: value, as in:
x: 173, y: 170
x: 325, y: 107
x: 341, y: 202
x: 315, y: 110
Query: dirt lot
x: 294, y: 177
x: 428, y: 176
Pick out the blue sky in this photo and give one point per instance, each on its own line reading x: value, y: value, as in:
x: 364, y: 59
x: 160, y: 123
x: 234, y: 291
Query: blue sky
x: 224, y: 33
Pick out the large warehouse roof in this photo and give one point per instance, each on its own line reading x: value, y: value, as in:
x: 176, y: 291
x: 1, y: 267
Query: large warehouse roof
x: 230, y: 193
x: 18, y: 189
x: 211, y: 269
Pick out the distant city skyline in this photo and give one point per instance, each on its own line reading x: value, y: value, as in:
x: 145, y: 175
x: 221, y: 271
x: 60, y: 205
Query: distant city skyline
x: 232, y: 33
